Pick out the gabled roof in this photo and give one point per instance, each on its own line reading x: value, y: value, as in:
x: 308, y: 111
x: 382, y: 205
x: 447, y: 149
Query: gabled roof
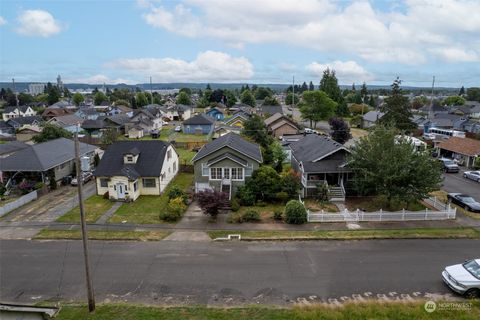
x: 12, y: 146
x: 273, y: 118
x: 214, y: 110
x: 149, y: 163
x: 25, y: 120
x: 283, y: 122
x: 119, y: 119
x: 240, y: 114
x: 228, y: 155
x: 201, y: 119
x: 61, y: 104
x: 93, y: 124
x: 68, y: 120
x: 13, y: 108
x: 466, y: 146
x: 313, y: 148
x: 43, y: 156
x: 373, y: 116
x: 234, y: 142
x: 270, y: 110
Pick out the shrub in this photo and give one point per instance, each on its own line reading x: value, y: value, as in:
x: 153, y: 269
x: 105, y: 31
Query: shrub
x: 177, y: 192
x: 106, y: 195
x: 39, y: 185
x: 52, y: 183
x: 174, y: 210
x: 235, y: 218
x: 322, y: 192
x: 251, y: 216
x: 25, y: 187
x: 277, y: 215
x: 245, y: 196
x: 235, y: 205
x: 211, y: 201
x: 282, y: 196
x: 2, y: 189
x: 295, y: 212
x: 261, y: 203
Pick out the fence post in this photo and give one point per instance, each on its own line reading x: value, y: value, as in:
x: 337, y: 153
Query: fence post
x: 426, y: 212
x: 381, y: 214
x: 435, y: 202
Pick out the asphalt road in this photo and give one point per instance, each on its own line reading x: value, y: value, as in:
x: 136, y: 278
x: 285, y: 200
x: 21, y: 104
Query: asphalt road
x: 455, y: 182
x: 229, y: 273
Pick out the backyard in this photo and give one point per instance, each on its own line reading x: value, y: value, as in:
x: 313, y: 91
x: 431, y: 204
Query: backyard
x: 146, y: 209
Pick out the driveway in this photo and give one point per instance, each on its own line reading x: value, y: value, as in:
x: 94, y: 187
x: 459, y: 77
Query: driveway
x: 50, y: 206
x: 455, y: 182
x: 232, y: 273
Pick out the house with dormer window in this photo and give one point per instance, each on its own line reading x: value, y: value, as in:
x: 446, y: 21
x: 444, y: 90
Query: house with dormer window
x: 129, y: 169
x: 225, y: 164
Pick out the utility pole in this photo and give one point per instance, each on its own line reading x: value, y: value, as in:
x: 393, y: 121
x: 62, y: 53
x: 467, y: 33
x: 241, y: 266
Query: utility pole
x: 430, y: 115
x: 91, y: 297
x: 293, y: 92
x: 151, y: 91
x: 15, y: 91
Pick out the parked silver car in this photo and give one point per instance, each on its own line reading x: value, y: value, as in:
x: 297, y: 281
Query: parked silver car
x: 86, y: 176
x: 474, y: 175
x: 464, y: 278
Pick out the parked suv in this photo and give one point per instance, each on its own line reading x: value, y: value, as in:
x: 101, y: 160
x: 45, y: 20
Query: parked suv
x: 449, y: 165
x: 86, y: 176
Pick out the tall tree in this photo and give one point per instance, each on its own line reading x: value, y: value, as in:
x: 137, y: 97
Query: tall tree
x: 364, y: 93
x: 388, y: 165
x: 184, y: 98
x: 248, y: 98
x: 329, y: 84
x: 454, y: 101
x: 473, y: 94
x: 304, y: 87
x: 50, y: 132
x: 25, y: 98
x: 99, y: 98
x: 340, y: 131
x: 230, y: 98
x: 271, y: 101
x: 255, y: 129
x: 397, y: 109
x: 311, y: 87
x: 141, y: 99
x: 262, y: 92
x: 462, y: 91
x: 317, y: 106
x: 291, y: 99
x: 78, y: 98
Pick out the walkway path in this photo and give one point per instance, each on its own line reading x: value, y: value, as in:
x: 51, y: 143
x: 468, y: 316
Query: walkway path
x: 103, y: 219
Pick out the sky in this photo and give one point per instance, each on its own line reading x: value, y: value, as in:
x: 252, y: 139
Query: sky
x: 247, y: 41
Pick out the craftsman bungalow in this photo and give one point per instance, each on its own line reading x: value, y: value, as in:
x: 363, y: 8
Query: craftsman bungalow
x: 279, y: 125
x: 225, y: 163
x: 129, y: 169
x: 320, y: 160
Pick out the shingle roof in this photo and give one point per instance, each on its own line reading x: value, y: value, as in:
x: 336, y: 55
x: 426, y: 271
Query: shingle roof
x: 43, y: 156
x: 12, y: 146
x: 119, y: 119
x: 93, y: 124
x: 281, y: 123
x: 13, y: 108
x: 69, y: 119
x: 227, y: 155
x: 149, y: 163
x: 270, y: 110
x: 372, y: 116
x: 26, y: 120
x: 201, y: 119
x: 273, y: 118
x: 232, y: 141
x: 313, y: 147
x: 466, y: 146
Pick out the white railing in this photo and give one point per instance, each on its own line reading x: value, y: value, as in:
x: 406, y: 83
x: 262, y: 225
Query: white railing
x: 10, y: 206
x: 359, y: 216
x: 342, y: 187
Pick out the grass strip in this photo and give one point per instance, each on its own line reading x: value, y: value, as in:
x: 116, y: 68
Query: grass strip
x: 102, y: 235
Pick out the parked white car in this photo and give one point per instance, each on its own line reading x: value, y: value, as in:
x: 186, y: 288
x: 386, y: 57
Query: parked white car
x: 474, y: 175
x: 178, y: 129
x: 464, y: 278
x: 308, y: 130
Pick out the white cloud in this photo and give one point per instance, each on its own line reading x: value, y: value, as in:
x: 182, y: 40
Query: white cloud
x: 2, y: 21
x: 37, y: 23
x: 412, y: 33
x: 346, y: 71
x: 99, y: 79
x: 207, y: 66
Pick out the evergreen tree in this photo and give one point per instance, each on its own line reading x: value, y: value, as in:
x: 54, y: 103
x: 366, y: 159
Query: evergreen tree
x: 248, y: 98
x: 255, y: 129
x: 364, y: 92
x: 208, y: 87
x: 397, y: 109
x: 371, y: 101
x: 329, y: 85
x: 304, y: 87
x: 311, y: 87
x: 462, y: 91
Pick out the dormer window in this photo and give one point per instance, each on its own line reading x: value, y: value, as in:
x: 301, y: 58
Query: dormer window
x: 129, y: 158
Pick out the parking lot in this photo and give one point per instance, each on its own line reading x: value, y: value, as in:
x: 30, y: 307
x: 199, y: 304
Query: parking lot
x: 455, y: 182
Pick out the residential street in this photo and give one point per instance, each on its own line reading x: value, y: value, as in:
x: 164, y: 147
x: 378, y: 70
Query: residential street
x: 455, y: 182
x: 171, y: 272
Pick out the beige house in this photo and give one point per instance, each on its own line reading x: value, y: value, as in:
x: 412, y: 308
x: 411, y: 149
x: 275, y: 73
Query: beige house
x: 129, y: 169
x: 279, y: 125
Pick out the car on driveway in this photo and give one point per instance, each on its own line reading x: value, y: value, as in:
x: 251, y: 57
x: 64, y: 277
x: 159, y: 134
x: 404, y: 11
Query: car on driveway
x: 465, y: 201
x: 449, y: 165
x: 86, y: 176
x: 474, y: 175
x: 178, y: 129
x: 464, y: 278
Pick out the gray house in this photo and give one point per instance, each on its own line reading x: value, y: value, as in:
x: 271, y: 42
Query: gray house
x: 370, y: 118
x: 225, y: 163
x: 320, y: 160
x: 199, y: 124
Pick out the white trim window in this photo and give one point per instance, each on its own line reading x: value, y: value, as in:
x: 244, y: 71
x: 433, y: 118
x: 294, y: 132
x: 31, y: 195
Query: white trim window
x: 149, y: 183
x: 103, y: 183
x: 204, y: 170
x: 226, y: 173
x: 237, y: 173
x: 215, y: 173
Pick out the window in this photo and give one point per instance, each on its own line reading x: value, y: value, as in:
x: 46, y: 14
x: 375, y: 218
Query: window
x: 104, y: 183
x: 215, y: 173
x: 226, y: 173
x: 129, y: 159
x: 204, y: 170
x: 169, y: 154
x: 175, y: 166
x: 149, y: 183
x: 237, y: 173
x: 135, y: 186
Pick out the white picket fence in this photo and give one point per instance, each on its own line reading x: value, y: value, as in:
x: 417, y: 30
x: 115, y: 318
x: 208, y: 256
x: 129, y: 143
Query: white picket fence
x: 446, y: 212
x: 18, y: 203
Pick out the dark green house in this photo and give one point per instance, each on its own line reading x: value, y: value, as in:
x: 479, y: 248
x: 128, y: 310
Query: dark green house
x: 225, y: 163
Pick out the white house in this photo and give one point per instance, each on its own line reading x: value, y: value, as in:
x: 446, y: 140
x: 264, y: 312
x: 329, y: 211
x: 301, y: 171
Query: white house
x: 16, y: 112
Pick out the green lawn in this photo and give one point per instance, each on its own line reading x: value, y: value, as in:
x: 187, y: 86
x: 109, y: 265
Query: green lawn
x: 434, y: 233
x: 102, y: 235
x: 185, y: 155
x: 95, y: 207
x: 370, y: 204
x: 183, y: 137
x: 146, y: 209
x: 348, y: 311
x: 266, y: 212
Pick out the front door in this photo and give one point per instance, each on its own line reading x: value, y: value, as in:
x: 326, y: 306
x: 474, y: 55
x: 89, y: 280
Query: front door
x: 120, y: 191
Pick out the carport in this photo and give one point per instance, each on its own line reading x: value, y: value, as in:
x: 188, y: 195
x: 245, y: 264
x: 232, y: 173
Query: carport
x: 465, y: 150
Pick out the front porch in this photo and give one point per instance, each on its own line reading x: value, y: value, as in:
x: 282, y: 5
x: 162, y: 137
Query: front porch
x: 333, y: 180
